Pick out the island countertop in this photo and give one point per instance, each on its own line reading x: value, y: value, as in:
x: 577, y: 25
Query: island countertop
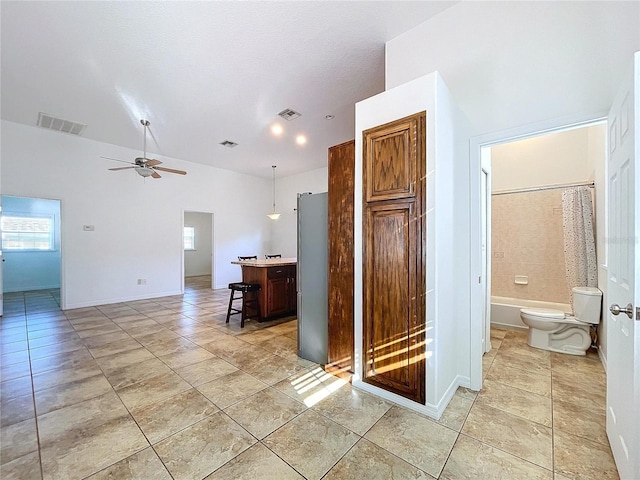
x: 272, y: 262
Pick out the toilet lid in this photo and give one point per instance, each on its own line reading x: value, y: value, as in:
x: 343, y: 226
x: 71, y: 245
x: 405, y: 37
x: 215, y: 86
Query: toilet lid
x: 543, y: 312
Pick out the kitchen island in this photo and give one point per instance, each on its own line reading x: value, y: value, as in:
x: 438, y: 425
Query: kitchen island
x: 277, y: 280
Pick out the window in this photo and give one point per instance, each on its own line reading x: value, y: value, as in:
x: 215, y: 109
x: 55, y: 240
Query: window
x: 189, y: 238
x: 20, y: 232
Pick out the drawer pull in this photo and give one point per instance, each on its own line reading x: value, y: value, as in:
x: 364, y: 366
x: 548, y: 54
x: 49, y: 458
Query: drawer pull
x: 278, y: 271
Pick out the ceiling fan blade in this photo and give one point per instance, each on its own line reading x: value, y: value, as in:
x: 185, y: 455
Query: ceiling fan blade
x: 152, y: 162
x: 118, y: 160
x: 171, y: 170
x: 155, y: 174
x: 120, y: 168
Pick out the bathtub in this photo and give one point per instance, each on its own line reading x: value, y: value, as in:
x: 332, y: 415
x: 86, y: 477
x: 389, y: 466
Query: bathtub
x: 505, y: 311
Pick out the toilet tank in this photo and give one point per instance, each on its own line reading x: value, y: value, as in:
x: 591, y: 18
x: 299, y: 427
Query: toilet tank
x: 587, y: 302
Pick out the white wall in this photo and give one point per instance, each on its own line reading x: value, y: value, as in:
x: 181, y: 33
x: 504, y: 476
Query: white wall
x: 284, y: 230
x: 138, y: 222
x: 509, y: 64
x: 32, y: 270
x: 553, y: 159
x: 198, y: 261
x: 448, y: 276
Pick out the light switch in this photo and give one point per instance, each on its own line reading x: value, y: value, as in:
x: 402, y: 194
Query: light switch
x: 88, y: 228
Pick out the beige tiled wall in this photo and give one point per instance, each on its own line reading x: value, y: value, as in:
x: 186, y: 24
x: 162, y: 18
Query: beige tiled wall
x: 527, y: 239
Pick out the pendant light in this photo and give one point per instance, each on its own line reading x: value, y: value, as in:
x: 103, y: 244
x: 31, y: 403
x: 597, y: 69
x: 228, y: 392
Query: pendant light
x: 273, y: 215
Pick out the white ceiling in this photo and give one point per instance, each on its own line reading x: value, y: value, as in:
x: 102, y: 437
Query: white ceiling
x: 202, y: 72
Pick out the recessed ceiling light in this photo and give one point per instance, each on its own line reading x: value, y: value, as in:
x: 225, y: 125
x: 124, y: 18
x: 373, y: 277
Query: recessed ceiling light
x: 277, y: 129
x: 329, y: 117
x: 301, y: 139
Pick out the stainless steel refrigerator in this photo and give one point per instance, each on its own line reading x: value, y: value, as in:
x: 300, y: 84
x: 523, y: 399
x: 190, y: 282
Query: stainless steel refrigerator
x: 312, y: 277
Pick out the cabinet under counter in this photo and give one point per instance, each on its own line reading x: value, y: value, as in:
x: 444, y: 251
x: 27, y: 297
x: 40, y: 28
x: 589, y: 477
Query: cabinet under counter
x: 277, y: 280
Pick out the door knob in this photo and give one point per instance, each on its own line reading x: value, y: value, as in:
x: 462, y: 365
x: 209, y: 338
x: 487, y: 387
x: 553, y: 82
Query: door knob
x: 616, y: 310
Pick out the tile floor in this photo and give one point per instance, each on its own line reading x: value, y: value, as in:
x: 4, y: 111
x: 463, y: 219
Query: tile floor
x: 162, y: 389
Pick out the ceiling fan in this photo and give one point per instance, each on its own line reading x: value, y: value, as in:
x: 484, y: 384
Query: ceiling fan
x: 146, y: 167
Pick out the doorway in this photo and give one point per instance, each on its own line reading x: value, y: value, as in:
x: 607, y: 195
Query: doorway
x: 198, y: 260
x: 483, y: 183
x: 31, y: 255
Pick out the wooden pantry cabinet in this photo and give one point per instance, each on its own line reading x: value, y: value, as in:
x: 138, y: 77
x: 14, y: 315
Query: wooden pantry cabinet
x: 340, y: 269
x: 394, y: 162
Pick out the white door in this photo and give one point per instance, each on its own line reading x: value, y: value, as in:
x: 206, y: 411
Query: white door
x: 623, y: 329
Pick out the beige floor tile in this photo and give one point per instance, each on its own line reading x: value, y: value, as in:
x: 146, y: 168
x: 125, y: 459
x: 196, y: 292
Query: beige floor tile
x: 19, y: 346
x: 368, y: 461
x: 256, y: 462
x: 167, y: 346
x: 16, y: 409
x: 16, y: 370
x: 122, y: 359
x: 52, y: 339
x: 310, y: 386
x: 264, y: 412
x: 498, y: 333
x: 414, y: 438
x: 531, y: 406
x: 311, y: 443
x: 247, y: 357
x: 137, y: 372
x: 577, y: 457
x: 259, y: 336
x: 204, y: 447
x: 152, y: 390
x: 229, y: 389
x: 576, y: 364
x: 186, y: 356
x: 92, y: 332
x: 471, y: 459
x: 515, y: 435
x: 106, y: 338
x: 514, y: 360
x: 84, y: 438
x: 71, y: 393
x: 123, y: 345
x: 203, y: 372
x: 62, y: 376
x: 487, y: 361
x: 456, y: 412
x: 280, y: 345
x: 580, y: 420
x: 166, y: 417
x: 352, y: 408
x: 522, y: 379
x: 26, y: 467
x: 16, y: 387
x: 573, y: 388
x: 274, y: 369
x: 139, y: 466
x: 205, y: 337
x: 61, y: 361
x: 56, y: 349
x: 18, y: 440
x: 225, y: 345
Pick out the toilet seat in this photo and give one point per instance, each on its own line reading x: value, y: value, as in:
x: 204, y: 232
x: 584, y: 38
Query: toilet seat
x: 544, y: 313
x: 551, y: 315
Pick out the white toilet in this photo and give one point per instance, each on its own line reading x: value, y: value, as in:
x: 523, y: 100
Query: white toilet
x: 556, y: 331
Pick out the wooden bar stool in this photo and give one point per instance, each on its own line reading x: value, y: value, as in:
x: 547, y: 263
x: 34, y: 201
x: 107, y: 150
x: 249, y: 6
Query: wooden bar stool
x: 247, y: 303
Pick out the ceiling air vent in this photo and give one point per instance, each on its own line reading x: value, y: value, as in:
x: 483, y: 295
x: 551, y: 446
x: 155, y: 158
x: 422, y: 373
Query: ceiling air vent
x: 229, y: 144
x: 289, y: 114
x: 60, y: 124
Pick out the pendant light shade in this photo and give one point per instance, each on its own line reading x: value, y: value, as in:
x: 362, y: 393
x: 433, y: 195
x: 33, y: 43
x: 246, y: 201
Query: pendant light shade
x: 273, y: 215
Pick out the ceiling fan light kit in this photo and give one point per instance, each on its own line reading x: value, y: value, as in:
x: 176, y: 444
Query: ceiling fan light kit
x: 146, y: 167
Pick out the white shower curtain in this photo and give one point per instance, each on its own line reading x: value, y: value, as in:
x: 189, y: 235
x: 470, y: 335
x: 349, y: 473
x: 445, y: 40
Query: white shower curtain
x: 579, y: 241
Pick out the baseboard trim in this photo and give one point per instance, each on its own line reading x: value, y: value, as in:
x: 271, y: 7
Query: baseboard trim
x: 109, y: 301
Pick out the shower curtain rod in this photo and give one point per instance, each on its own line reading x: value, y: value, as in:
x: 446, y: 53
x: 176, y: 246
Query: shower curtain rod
x: 546, y: 187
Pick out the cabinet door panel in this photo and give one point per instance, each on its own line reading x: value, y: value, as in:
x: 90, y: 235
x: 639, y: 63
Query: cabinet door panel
x: 390, y: 153
x: 393, y: 331
x: 341, y: 253
x: 278, y: 296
